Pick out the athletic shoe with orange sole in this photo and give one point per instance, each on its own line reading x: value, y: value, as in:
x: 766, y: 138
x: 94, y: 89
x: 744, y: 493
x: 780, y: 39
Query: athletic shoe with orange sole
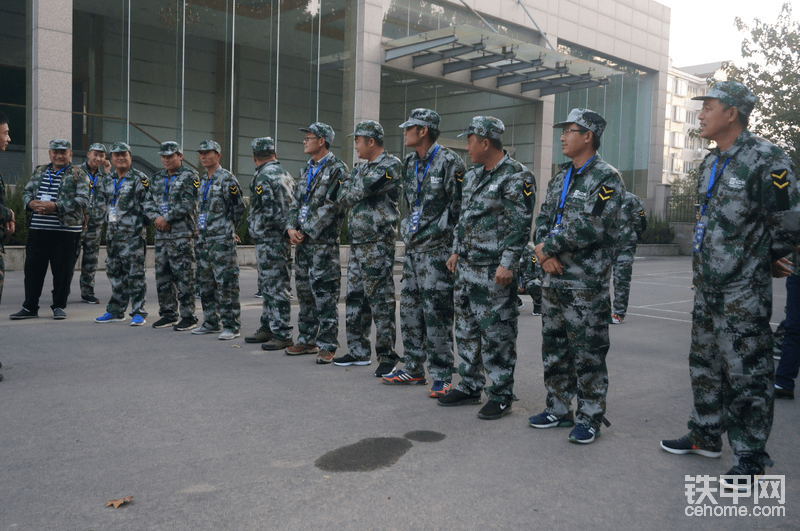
x: 401, y: 377
x: 440, y: 388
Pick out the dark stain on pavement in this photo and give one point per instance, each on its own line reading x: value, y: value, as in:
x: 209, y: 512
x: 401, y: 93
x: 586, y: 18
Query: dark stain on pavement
x: 425, y: 436
x: 365, y: 455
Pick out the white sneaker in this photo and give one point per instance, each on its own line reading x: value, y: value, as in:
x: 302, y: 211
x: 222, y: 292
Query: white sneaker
x: 205, y: 329
x: 616, y: 319
x: 228, y: 334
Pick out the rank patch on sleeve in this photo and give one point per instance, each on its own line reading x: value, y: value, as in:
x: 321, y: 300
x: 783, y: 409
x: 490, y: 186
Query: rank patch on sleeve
x: 145, y: 182
x: 234, y: 189
x: 781, y: 182
x: 602, y: 198
x: 196, y: 182
x: 460, y: 176
x: 259, y: 189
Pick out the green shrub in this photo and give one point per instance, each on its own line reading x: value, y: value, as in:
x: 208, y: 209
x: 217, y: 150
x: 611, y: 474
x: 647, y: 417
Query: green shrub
x: 14, y: 202
x: 658, y: 231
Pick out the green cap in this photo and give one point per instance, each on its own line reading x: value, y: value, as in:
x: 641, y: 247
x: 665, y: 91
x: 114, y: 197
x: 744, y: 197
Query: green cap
x: 60, y: 144
x: 585, y: 118
x: 369, y: 129
x: 487, y: 127
x: 98, y: 147
x: 264, y: 143
x: 423, y: 117
x: 320, y: 130
x: 120, y: 147
x: 169, y: 148
x: 209, y: 145
x: 734, y: 94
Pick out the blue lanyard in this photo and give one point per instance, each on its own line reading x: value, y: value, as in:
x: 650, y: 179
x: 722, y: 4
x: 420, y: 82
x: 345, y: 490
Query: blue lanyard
x: 117, y: 187
x: 712, y: 180
x: 566, y: 188
x: 94, y: 182
x: 416, y: 174
x: 168, y: 184
x: 205, y: 191
x: 312, y: 176
x: 50, y: 176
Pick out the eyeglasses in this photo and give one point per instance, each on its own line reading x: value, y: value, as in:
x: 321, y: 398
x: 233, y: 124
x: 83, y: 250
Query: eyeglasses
x: 310, y: 138
x: 565, y: 131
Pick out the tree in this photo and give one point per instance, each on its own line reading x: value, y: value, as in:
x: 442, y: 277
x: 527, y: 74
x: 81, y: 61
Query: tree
x: 772, y: 72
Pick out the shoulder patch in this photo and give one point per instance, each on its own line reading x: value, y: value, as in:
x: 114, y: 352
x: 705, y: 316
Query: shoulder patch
x: 145, y: 181
x: 603, y: 196
x: 196, y: 182
x: 527, y: 190
x: 259, y: 189
x: 781, y: 183
x: 460, y: 176
x: 234, y: 189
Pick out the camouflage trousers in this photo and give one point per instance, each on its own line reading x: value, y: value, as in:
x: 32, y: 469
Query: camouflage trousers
x: 623, y: 269
x: 218, y: 283
x: 175, y: 285
x: 485, y: 330
x: 125, y: 271
x: 274, y: 259
x: 574, y: 347
x: 426, y: 313
x: 90, y: 245
x: 731, y: 368
x: 370, y: 296
x: 318, y: 278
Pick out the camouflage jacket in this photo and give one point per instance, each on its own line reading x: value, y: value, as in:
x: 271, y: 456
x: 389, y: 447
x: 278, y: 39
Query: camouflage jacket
x: 72, y: 197
x: 439, y: 198
x: 271, y: 193
x: 752, y: 218
x: 529, y: 271
x: 96, y: 211
x: 324, y: 219
x: 588, y: 237
x: 129, y: 201
x: 181, y: 197
x: 221, y: 200
x: 496, y: 211
x: 5, y: 213
x: 371, y: 192
x: 631, y: 222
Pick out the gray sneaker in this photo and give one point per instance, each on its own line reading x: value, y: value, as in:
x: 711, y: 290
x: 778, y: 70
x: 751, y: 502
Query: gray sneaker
x: 206, y: 329
x: 228, y: 334
x: 59, y: 313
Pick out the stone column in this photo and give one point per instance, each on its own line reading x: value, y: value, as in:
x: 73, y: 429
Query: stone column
x: 543, y: 152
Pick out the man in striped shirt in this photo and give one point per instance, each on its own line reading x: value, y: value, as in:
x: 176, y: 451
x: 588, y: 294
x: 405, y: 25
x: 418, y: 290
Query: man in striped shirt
x: 57, y: 194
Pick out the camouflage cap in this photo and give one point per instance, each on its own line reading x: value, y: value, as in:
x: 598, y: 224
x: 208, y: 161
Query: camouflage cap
x: 734, y: 94
x: 264, y: 143
x: 169, y: 148
x: 486, y: 126
x: 119, y: 147
x: 209, y: 145
x: 369, y: 129
x: 60, y: 144
x: 423, y: 117
x: 585, y: 118
x: 98, y: 147
x: 321, y: 130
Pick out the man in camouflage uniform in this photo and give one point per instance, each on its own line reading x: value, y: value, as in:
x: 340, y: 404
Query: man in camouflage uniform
x: 371, y: 192
x: 97, y: 168
x: 631, y: 223
x: 172, y: 207
x: 432, y: 176
x: 576, y: 231
x: 270, y: 196
x: 7, y: 220
x: 750, y: 217
x: 493, y: 226
x: 124, y: 194
x: 221, y: 209
x: 58, y: 194
x: 530, y: 281
x: 313, y: 226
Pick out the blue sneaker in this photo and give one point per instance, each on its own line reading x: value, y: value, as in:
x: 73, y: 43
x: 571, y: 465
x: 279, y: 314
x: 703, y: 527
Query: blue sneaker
x: 582, y: 433
x: 548, y: 420
x: 137, y: 320
x: 108, y: 318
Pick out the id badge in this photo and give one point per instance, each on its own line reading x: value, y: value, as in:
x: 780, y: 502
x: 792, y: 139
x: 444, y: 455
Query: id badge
x: 163, y: 208
x: 555, y: 230
x: 46, y: 197
x: 201, y: 220
x: 112, y: 215
x: 699, y: 232
x: 301, y: 217
x: 413, y: 222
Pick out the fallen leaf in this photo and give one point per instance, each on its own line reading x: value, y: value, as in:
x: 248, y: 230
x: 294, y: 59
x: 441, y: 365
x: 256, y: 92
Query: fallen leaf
x: 117, y: 503
x: 327, y: 477
x: 390, y: 497
x: 236, y: 346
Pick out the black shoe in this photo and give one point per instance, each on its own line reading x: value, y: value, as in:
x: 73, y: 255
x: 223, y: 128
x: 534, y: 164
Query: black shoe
x: 165, y: 322
x: 494, y: 410
x: 537, y: 309
x: 347, y: 360
x: 187, y: 323
x: 59, y: 313
x: 90, y: 299
x: 384, y: 369
x: 459, y: 398
x: 784, y: 394
x: 747, y: 484
x: 24, y: 314
x: 684, y: 446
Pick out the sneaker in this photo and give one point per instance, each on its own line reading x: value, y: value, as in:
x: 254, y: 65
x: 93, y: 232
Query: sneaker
x: 187, y: 323
x: 258, y: 295
x: 459, y: 398
x: 228, y: 334
x: 743, y: 477
x: 401, y: 377
x: 165, y: 322
x: 260, y: 336
x: 537, y: 309
x: 137, y: 320
x: 582, y: 433
x: 90, y: 299
x: 548, y: 420
x: 440, y: 388
x: 784, y: 394
x: 384, y: 369
x: 520, y: 303
x: 59, y: 314
x: 617, y: 319
x: 296, y: 350
x: 206, y: 329
x: 494, y: 410
x: 24, y: 314
x: 108, y: 318
x: 684, y: 446
x: 325, y: 356
x: 347, y: 360
x: 277, y: 344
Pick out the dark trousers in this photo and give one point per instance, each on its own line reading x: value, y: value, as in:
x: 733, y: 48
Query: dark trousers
x: 787, y: 370
x: 56, y: 249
